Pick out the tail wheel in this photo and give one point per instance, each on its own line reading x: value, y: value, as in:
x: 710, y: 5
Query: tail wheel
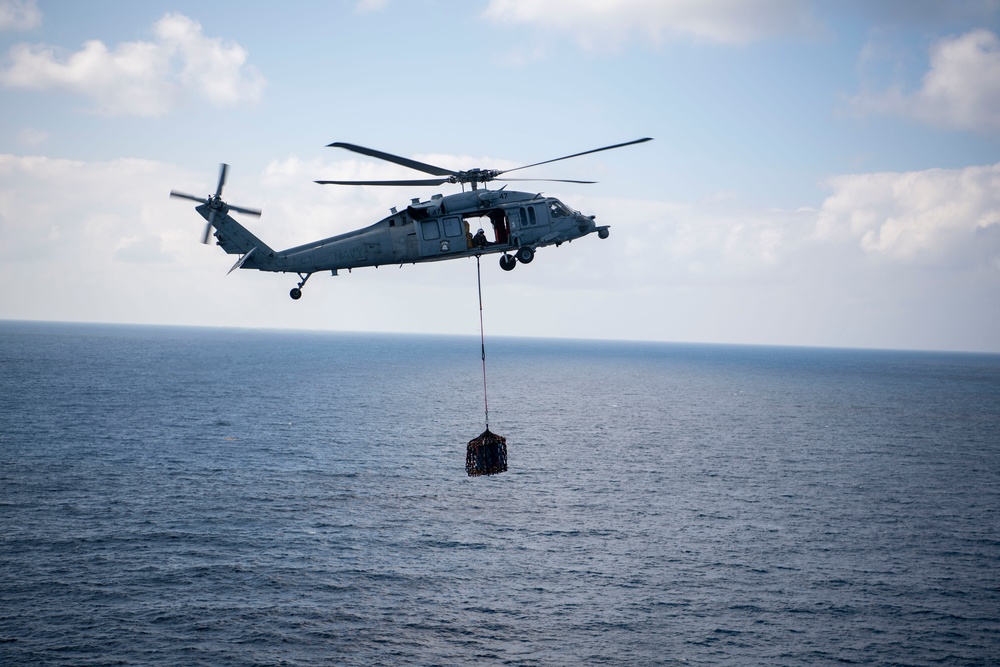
x: 296, y: 293
x: 525, y: 254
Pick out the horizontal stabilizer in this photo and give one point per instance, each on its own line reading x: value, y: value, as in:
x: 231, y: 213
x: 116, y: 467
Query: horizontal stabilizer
x: 241, y: 260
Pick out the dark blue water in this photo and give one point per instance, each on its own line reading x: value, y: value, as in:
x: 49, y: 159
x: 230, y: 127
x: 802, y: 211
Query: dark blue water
x: 227, y: 497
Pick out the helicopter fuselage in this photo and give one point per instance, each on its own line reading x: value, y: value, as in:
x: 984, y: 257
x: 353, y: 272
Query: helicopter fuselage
x: 439, y: 229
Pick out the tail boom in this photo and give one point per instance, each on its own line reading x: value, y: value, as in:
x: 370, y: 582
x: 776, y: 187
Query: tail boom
x: 235, y: 239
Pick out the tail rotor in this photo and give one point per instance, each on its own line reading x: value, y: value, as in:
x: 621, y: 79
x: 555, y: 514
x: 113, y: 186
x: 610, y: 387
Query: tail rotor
x: 215, y: 203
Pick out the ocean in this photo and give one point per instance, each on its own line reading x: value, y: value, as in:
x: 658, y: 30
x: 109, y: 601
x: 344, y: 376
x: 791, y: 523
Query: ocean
x: 189, y: 496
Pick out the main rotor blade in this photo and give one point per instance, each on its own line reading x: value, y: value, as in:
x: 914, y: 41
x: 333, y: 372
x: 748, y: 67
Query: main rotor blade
x: 223, y: 168
x: 425, y: 181
x: 566, y: 157
x: 184, y: 195
x: 552, y: 180
x: 389, y: 157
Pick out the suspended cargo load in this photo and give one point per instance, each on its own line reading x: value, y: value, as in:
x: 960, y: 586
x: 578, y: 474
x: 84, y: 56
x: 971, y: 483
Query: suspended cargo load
x: 486, y: 455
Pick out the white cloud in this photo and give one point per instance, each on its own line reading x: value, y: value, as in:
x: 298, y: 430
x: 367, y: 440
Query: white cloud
x: 601, y: 23
x: 60, y: 210
x: 716, y: 241
x: 19, y: 15
x: 960, y: 90
x: 30, y: 136
x: 944, y: 217
x: 102, y: 241
x: 142, y: 78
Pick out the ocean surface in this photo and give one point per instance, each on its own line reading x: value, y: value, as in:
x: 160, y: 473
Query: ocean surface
x: 184, y: 496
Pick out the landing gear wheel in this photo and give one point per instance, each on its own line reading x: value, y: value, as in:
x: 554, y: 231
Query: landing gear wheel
x: 603, y: 233
x: 525, y: 254
x: 507, y: 262
x: 296, y: 293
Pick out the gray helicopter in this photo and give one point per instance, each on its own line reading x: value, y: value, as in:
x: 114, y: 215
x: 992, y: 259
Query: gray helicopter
x: 425, y: 231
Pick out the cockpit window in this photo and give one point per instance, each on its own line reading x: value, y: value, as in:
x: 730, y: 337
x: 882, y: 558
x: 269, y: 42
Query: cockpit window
x: 558, y: 210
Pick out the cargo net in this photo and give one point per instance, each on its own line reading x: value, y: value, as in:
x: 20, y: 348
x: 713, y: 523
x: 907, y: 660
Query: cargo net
x: 486, y: 455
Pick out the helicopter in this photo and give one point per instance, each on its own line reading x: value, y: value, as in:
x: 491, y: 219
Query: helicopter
x: 424, y: 231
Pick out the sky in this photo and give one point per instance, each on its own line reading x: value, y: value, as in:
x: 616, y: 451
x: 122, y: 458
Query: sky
x: 822, y: 173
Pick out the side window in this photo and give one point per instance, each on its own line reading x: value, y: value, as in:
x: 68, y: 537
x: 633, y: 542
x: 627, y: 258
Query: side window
x: 528, y: 213
x: 452, y: 228
x: 429, y: 230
